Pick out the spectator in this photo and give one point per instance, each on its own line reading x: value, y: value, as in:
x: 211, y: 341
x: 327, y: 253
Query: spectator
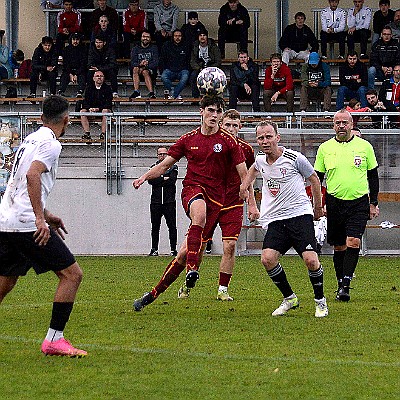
x: 385, y: 53
x: 134, y: 23
x: 296, y: 38
x: 353, y: 80
x: 358, y: 22
x: 205, y: 53
x: 355, y: 106
x: 165, y: 21
x: 102, y: 58
x: 149, y: 6
x: 376, y: 106
x: 384, y: 16
x: 97, y: 99
x: 191, y: 30
x: 163, y: 203
x: 10, y: 62
x: 68, y: 22
x: 104, y: 29
x: 395, y: 25
x: 234, y: 24
x: 174, y: 63
x: 74, y: 65
x: 104, y: 9
x: 86, y: 28
x: 44, y: 66
x: 244, y: 83
x: 315, y: 82
x: 144, y: 62
x: 278, y: 82
x: 118, y: 4
x: 333, y: 22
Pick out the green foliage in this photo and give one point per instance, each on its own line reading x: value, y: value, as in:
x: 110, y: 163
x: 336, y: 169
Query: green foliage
x: 200, y: 348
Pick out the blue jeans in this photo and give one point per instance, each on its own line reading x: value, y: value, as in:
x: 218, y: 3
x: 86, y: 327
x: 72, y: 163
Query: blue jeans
x: 374, y: 73
x: 168, y: 76
x: 344, y: 93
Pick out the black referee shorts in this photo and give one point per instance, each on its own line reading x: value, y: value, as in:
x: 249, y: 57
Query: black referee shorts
x: 19, y: 253
x: 345, y: 218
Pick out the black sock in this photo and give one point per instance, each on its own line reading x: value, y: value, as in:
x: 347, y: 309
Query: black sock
x: 349, y: 264
x: 278, y: 276
x: 338, y: 258
x: 317, y: 281
x: 60, y: 315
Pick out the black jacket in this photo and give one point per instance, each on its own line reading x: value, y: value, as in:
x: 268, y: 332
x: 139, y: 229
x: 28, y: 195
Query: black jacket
x: 298, y: 39
x: 164, y: 190
x: 103, y: 59
x: 191, y: 32
x: 385, y: 54
x: 97, y: 98
x: 42, y: 59
x: 241, y: 13
x: 348, y: 76
x: 175, y: 57
x: 75, y: 59
x: 239, y: 76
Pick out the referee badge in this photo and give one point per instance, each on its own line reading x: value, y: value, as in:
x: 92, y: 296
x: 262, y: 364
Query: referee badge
x: 357, y: 161
x: 217, y: 148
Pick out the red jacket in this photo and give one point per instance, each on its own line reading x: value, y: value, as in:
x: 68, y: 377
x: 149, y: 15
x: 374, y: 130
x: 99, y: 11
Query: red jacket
x: 70, y: 20
x: 282, y: 81
x: 136, y: 21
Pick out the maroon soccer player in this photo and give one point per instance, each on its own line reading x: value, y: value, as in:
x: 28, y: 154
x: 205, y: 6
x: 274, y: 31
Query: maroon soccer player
x: 210, y: 154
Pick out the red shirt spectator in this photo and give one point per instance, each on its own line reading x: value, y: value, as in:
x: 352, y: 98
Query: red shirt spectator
x: 282, y: 81
x: 134, y: 19
x: 69, y: 20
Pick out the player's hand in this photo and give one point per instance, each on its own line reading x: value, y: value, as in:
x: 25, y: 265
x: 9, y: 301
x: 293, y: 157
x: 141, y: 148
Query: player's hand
x: 244, y: 193
x: 253, y: 213
x: 42, y: 233
x: 138, y: 182
x: 318, y: 213
x: 373, y: 211
x: 57, y: 224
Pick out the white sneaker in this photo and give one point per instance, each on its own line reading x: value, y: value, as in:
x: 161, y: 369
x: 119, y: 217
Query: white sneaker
x: 321, y: 308
x: 183, y: 292
x: 285, y: 306
x: 224, y: 295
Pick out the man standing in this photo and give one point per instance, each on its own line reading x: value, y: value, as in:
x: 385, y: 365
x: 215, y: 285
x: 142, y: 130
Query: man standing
x: 352, y: 186
x: 234, y: 24
x: 244, y: 82
x: 166, y: 21
x: 211, y: 153
x: 287, y: 214
x: 163, y: 203
x: 134, y: 23
x: 35, y: 240
x: 384, y: 16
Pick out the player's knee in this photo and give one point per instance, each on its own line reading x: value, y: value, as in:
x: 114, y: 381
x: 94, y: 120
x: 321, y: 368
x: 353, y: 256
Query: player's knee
x: 72, y: 274
x: 311, y: 260
x: 353, y: 242
x: 229, y: 247
x: 268, y: 260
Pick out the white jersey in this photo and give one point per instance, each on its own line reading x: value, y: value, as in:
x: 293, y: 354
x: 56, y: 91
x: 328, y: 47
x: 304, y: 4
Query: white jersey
x: 16, y: 213
x: 362, y: 20
x: 283, y: 191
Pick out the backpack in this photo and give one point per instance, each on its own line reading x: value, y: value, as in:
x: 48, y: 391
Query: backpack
x: 25, y: 69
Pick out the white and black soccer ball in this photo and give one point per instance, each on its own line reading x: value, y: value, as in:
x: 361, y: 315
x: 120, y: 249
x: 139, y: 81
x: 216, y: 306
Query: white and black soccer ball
x: 211, y: 80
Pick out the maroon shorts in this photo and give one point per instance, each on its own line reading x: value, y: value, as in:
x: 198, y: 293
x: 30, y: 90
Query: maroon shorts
x: 231, y: 221
x: 191, y: 193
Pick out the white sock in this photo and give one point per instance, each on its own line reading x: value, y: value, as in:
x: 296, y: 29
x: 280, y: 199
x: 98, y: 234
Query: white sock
x: 53, y: 335
x: 222, y: 288
x: 292, y: 296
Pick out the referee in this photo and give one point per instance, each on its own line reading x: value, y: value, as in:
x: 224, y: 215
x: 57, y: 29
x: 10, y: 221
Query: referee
x: 352, y: 195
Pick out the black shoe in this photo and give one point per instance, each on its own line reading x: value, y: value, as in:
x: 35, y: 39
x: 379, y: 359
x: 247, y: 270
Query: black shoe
x: 135, y: 95
x: 86, y: 136
x: 145, y: 300
x: 174, y: 253
x: 153, y: 252
x: 102, y: 136
x: 32, y: 96
x: 364, y: 57
x: 79, y: 94
x: 343, y: 293
x: 191, y: 278
x: 209, y: 247
x: 151, y: 95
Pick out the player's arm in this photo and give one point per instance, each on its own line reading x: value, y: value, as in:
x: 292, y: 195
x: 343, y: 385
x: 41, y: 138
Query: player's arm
x: 56, y: 223
x: 155, y: 172
x: 253, y: 212
x: 246, y: 182
x: 373, y: 183
x: 317, y: 195
x: 34, y: 186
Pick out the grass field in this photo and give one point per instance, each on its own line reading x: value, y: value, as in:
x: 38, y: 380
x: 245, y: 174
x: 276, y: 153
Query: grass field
x: 200, y: 348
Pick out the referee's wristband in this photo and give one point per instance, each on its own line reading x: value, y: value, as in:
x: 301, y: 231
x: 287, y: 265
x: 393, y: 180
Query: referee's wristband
x: 374, y: 203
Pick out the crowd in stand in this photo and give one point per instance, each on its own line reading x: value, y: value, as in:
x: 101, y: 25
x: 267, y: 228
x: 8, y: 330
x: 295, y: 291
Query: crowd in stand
x: 156, y: 46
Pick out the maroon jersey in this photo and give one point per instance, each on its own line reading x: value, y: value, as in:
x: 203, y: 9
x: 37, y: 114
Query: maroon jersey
x: 210, y: 159
x: 232, y: 191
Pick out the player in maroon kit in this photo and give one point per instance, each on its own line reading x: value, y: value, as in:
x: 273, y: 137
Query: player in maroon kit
x: 210, y: 152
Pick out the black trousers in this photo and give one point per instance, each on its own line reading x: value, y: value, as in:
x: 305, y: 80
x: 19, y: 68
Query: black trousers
x: 359, y: 36
x: 232, y: 34
x: 237, y: 92
x: 51, y: 76
x: 157, y: 211
x: 64, y: 81
x: 338, y: 37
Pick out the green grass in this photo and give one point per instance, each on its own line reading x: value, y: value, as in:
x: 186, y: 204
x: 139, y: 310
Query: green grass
x: 200, y: 348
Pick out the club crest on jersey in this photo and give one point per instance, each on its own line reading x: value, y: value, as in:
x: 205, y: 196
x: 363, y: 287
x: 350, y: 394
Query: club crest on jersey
x: 273, y: 186
x: 217, y: 148
x: 357, y: 161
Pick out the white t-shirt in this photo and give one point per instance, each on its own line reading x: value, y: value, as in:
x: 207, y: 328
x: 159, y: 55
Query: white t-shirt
x: 283, y: 191
x: 16, y: 213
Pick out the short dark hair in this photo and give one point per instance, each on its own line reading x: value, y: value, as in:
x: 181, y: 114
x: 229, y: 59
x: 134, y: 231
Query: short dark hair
x: 300, y: 14
x: 275, y: 55
x: 243, y: 52
x: 19, y: 55
x: 210, y: 100
x: 54, y: 109
x: 193, y: 14
x: 386, y: 2
x: 101, y: 37
x: 371, y: 91
x: 47, y: 39
x: 352, y: 53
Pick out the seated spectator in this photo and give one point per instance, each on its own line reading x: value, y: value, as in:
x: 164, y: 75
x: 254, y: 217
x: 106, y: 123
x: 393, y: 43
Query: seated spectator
x: 375, y: 105
x: 104, y: 9
x: 174, y: 63
x: 166, y: 21
x: 14, y: 60
x: 190, y: 31
x: 384, y: 16
x: 74, y: 65
x: 395, y: 25
x: 68, y: 22
x: 355, y: 106
x: 102, y: 58
x: 358, y: 22
x: 244, y: 83
x: 315, y: 83
x: 134, y: 23
x: 296, y: 39
x: 353, y: 80
x: 205, y: 53
x: 385, y: 53
x: 104, y: 28
x: 97, y: 98
x: 144, y: 62
x: 234, y: 24
x: 278, y: 82
x: 44, y: 66
x: 333, y: 22
x: 86, y: 28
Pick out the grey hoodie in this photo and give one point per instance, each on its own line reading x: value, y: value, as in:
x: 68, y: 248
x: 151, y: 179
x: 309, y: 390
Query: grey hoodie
x: 166, y: 17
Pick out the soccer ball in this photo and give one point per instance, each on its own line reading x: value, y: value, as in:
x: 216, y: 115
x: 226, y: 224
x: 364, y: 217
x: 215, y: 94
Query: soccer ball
x: 211, y: 80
